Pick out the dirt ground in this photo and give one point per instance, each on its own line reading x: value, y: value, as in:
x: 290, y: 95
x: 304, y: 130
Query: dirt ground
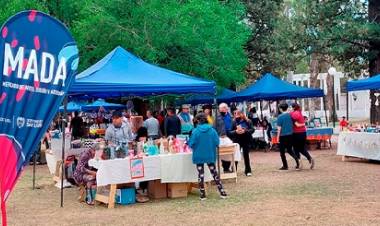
x: 335, y: 193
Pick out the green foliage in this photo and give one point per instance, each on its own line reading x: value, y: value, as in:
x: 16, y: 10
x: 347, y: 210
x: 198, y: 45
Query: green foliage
x: 203, y: 38
x: 197, y: 37
x: 337, y: 29
x: 9, y: 8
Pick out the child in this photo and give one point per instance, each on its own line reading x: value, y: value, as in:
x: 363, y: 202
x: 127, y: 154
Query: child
x: 204, y: 140
x: 343, y: 123
x: 284, y: 135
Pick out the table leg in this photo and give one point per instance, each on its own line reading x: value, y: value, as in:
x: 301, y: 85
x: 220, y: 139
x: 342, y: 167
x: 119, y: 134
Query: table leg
x: 111, y: 198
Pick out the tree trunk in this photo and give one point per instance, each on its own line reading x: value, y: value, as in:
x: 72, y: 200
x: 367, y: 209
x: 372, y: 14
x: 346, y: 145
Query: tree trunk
x: 314, y: 72
x: 374, y: 64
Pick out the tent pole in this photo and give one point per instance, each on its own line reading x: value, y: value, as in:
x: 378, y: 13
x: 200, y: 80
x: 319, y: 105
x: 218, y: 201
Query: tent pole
x: 347, y: 105
x: 262, y: 118
x: 63, y: 146
x: 215, y: 118
x: 324, y: 108
x: 34, y: 171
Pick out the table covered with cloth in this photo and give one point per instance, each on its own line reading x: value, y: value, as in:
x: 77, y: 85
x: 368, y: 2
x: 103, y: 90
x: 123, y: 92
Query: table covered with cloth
x: 169, y: 168
x: 359, y: 144
x: 313, y: 134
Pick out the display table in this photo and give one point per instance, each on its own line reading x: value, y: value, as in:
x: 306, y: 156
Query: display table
x: 170, y: 168
x: 54, y: 158
x: 313, y: 134
x: 260, y: 134
x: 359, y: 144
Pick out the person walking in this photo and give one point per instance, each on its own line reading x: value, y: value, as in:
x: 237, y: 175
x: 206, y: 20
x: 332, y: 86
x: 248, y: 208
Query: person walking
x: 204, y: 141
x: 242, y: 130
x: 299, y: 135
x: 284, y: 136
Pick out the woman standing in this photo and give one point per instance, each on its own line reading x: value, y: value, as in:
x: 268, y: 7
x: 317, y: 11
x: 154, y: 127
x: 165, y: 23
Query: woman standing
x: 299, y: 135
x: 242, y: 130
x: 204, y: 140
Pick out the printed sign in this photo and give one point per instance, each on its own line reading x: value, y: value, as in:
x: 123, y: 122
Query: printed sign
x: 38, y: 60
x: 137, y: 168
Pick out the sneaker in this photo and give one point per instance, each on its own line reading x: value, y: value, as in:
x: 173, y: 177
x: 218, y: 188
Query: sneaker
x: 312, y: 164
x: 300, y: 166
x: 223, y: 196
x: 203, y: 198
x: 248, y: 174
x: 283, y: 168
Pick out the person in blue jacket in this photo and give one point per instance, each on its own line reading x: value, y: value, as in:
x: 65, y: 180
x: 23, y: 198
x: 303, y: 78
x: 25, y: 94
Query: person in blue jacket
x: 204, y: 141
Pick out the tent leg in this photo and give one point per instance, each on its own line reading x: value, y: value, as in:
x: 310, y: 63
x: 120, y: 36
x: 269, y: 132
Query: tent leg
x: 262, y: 119
x: 63, y: 146
x: 347, y: 105
x: 34, y: 171
x: 324, y: 107
x: 215, y: 118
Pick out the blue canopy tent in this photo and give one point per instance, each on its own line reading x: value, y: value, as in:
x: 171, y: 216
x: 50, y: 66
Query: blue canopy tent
x: 101, y: 103
x: 270, y: 87
x: 226, y: 95
x: 364, y: 84
x: 121, y: 73
x: 72, y: 106
x: 372, y: 83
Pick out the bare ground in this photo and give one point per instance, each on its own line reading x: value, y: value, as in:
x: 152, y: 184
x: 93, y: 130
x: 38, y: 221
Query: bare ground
x: 335, y: 193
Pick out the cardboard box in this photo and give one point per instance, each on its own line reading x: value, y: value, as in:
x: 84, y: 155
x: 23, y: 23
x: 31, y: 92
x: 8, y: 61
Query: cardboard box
x: 178, y: 190
x: 157, y: 190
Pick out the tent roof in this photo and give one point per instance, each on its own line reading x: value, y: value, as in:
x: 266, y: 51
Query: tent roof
x: 121, y: 73
x: 270, y: 87
x: 101, y: 103
x: 226, y: 95
x: 364, y: 84
x: 72, y: 106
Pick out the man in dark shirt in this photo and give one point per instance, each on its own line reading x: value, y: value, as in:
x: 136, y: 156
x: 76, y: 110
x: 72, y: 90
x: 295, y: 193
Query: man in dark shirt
x: 172, y: 124
x: 76, y: 126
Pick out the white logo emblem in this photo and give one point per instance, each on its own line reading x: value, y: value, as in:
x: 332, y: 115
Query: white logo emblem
x: 20, y: 122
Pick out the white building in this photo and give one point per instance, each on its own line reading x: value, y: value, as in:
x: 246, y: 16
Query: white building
x: 359, y: 101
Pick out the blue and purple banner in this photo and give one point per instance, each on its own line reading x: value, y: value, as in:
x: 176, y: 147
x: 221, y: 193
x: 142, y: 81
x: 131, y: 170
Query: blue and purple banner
x: 38, y: 60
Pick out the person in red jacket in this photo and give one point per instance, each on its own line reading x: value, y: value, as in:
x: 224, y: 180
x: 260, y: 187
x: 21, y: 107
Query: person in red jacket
x: 299, y: 135
x: 343, y: 123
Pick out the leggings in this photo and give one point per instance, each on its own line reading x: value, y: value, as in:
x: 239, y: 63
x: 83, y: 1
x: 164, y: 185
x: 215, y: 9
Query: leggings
x: 201, y: 179
x: 299, y: 145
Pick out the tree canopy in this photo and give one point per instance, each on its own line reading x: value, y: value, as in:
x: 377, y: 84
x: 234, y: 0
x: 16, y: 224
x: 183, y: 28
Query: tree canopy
x: 197, y: 37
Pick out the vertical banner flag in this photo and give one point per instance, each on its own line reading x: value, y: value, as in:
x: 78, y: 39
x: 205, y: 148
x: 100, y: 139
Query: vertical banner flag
x: 38, y: 60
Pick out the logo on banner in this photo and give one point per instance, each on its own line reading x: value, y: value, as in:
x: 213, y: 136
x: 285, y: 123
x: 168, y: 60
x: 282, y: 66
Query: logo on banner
x: 38, y: 61
x: 20, y: 122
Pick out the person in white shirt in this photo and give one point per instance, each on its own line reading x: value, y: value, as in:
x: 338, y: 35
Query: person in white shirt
x: 152, y: 125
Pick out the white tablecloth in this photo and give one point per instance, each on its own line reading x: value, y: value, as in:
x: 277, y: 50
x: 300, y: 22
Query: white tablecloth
x: 118, y: 171
x: 175, y: 168
x: 260, y: 134
x: 359, y: 144
x: 179, y: 168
